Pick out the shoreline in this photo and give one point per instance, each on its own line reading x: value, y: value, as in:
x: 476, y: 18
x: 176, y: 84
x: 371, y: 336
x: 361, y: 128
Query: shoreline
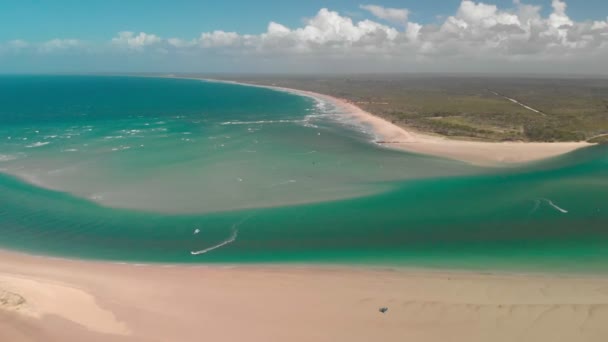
x: 399, y: 138
x: 73, y: 300
x: 48, y: 298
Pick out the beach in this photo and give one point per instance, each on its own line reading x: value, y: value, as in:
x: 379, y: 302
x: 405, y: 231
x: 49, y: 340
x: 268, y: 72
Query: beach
x: 402, y: 138
x: 337, y: 171
x: 331, y: 270
x: 71, y: 300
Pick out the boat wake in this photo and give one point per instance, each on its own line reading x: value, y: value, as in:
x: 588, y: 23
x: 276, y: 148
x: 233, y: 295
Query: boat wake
x: 555, y: 206
x: 229, y: 240
x: 538, y: 202
x: 536, y: 206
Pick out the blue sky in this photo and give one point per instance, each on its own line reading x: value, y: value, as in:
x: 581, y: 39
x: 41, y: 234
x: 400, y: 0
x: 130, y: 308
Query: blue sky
x: 99, y: 20
x: 539, y: 36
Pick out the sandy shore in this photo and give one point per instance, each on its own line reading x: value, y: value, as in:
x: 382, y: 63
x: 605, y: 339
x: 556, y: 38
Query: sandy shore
x: 45, y: 299
x: 474, y: 152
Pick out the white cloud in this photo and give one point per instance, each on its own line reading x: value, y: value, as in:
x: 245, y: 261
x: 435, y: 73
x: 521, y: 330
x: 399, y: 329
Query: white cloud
x: 476, y: 29
x: 18, y: 44
x: 135, y: 41
x: 558, y: 18
x: 278, y: 30
x: 476, y: 34
x: 58, y: 45
x: 180, y: 43
x: 412, y: 31
x: 327, y: 29
x: 393, y: 15
x: 600, y: 25
x: 219, y: 39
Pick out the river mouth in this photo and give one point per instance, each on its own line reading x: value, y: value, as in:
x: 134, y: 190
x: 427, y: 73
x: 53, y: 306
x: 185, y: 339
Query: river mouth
x: 188, y: 171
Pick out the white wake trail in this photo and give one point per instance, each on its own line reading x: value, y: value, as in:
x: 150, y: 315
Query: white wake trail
x: 535, y: 208
x: 231, y: 239
x: 555, y: 206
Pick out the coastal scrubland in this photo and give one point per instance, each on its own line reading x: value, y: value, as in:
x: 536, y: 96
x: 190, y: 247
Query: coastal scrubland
x: 470, y: 107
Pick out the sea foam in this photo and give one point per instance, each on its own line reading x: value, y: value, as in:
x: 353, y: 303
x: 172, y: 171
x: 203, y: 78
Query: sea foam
x: 38, y: 144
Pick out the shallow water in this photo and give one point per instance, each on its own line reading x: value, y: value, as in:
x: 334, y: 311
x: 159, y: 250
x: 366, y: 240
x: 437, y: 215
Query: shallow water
x: 168, y: 170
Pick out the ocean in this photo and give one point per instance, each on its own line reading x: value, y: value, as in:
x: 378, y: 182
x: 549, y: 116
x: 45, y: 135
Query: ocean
x: 160, y: 170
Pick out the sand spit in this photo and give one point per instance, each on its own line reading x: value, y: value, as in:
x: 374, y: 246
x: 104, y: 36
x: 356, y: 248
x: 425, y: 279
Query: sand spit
x: 397, y: 137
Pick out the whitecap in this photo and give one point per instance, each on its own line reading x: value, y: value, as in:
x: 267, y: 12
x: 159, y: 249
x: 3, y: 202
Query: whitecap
x: 38, y: 144
x: 309, y: 125
x: 290, y: 181
x: 260, y: 122
x: 7, y: 157
x: 96, y: 197
x: 130, y: 131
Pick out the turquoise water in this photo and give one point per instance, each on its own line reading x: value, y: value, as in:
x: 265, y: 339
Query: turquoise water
x: 167, y: 170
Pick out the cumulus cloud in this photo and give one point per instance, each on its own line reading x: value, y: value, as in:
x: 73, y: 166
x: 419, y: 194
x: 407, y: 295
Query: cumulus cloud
x: 54, y: 45
x: 329, y: 29
x: 477, y: 34
x: 181, y: 43
x: 135, y: 41
x: 18, y: 44
x: 326, y: 30
x: 393, y: 15
x: 476, y: 29
x: 219, y: 39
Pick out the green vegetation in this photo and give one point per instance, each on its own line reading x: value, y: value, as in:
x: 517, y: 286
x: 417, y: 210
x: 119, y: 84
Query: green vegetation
x: 471, y: 107
x: 602, y: 139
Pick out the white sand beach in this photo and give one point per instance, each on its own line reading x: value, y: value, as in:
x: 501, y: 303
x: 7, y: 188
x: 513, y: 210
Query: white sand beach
x: 51, y: 299
x: 44, y: 299
x: 474, y: 152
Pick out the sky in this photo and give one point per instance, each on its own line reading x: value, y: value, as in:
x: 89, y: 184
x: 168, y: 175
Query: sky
x: 312, y: 36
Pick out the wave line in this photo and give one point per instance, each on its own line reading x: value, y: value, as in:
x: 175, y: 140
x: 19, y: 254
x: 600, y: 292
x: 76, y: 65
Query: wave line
x: 260, y: 122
